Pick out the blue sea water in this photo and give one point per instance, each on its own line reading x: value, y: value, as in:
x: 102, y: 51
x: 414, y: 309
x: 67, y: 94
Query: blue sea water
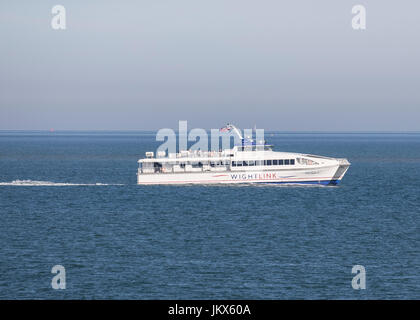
x: 79, y: 206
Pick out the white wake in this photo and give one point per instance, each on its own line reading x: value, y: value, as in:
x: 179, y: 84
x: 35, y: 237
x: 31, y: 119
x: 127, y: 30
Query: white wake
x: 34, y: 183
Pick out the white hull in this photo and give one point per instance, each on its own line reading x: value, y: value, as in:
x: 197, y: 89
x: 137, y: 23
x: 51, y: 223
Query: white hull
x: 331, y: 174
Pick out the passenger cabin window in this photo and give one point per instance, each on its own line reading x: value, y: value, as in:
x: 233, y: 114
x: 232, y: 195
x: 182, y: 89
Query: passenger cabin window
x: 196, y: 164
x: 307, y: 162
x: 249, y: 163
x: 279, y: 162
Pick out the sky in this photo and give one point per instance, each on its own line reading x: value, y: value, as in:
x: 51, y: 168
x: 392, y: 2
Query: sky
x: 144, y: 65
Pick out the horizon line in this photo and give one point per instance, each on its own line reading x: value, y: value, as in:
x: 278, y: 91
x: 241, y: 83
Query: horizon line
x: 272, y: 131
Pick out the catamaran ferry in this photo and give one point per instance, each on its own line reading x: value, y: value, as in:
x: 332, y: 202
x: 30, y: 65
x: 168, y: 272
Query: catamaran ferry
x: 248, y: 162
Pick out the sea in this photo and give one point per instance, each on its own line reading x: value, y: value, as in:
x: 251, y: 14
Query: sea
x: 70, y: 198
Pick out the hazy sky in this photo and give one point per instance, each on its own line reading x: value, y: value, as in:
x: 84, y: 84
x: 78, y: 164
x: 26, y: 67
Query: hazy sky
x: 282, y: 65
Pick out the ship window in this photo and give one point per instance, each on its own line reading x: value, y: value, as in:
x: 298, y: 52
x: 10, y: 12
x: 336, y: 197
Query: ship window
x: 259, y: 162
x: 239, y: 163
x: 274, y: 162
x: 196, y: 164
x: 251, y: 163
x: 268, y: 162
x: 233, y: 163
x: 182, y: 164
x: 280, y: 162
x: 286, y: 162
x: 305, y: 161
x: 292, y: 161
x: 245, y: 163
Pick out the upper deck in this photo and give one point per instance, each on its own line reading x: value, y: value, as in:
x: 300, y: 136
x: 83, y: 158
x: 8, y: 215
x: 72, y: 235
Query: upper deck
x: 240, y: 158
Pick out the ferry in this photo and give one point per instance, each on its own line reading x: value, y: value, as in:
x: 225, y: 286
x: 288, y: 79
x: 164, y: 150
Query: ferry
x: 248, y: 162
